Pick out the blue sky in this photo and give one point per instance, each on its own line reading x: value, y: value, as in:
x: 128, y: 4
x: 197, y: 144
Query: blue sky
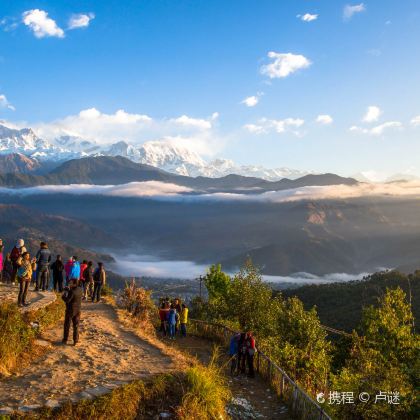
x: 174, y: 58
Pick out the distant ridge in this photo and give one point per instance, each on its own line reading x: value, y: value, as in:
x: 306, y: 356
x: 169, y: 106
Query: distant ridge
x: 103, y: 170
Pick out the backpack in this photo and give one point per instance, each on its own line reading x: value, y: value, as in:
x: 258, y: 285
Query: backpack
x: 97, y: 276
x: 15, y: 254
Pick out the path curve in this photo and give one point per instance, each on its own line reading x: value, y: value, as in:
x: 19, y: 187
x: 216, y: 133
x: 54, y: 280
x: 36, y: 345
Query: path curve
x: 107, y: 356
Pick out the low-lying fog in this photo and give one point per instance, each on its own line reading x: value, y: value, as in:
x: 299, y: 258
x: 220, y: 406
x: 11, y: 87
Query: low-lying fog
x: 148, y: 266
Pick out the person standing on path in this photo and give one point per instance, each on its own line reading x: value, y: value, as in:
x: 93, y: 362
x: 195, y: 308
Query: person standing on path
x: 7, y: 269
x: 16, y: 257
x: 43, y: 259
x: 83, y: 267
x: 250, y: 352
x: 57, y: 268
x: 183, y: 318
x: 88, y: 275
x: 99, y: 280
x: 67, y: 269
x: 73, y: 300
x: 24, y: 275
x: 233, y: 352
x: 75, y: 270
x: 172, y: 320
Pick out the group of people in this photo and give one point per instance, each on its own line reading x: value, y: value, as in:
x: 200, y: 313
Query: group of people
x: 19, y: 266
x: 173, y: 317
x: 242, y: 350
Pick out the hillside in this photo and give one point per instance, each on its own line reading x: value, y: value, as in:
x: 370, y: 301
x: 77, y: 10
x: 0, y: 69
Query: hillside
x: 103, y: 170
x: 339, y: 305
x: 65, y: 236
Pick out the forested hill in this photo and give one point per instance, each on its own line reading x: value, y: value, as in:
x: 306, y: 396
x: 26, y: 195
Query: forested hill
x: 339, y: 305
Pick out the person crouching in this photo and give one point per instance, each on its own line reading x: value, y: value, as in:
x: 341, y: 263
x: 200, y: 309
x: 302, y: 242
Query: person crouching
x: 73, y: 299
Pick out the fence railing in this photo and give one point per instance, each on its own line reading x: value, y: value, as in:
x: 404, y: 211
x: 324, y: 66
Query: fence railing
x: 300, y: 403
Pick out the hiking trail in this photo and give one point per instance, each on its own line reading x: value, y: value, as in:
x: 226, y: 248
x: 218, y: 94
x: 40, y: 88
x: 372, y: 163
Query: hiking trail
x: 252, y: 398
x: 108, y: 355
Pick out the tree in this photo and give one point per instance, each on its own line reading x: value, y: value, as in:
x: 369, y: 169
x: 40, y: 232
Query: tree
x: 301, y: 346
x: 218, y: 285
x: 386, y: 359
x: 251, y: 302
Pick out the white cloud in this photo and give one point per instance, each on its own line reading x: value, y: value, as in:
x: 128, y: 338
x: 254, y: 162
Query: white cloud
x: 415, y: 121
x: 324, y: 119
x: 4, y: 103
x: 250, y: 101
x: 80, y: 20
x: 132, y: 189
x: 351, y: 9
x: 372, y: 114
x: 198, y: 135
x: 254, y: 128
x: 284, y: 64
x: 199, y: 123
x: 377, y: 130
x: 307, y: 17
x: 266, y: 125
x: 167, y: 191
x: 9, y: 24
x: 40, y: 24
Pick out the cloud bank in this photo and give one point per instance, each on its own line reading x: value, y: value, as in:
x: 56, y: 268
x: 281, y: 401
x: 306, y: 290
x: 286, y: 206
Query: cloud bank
x: 171, y: 192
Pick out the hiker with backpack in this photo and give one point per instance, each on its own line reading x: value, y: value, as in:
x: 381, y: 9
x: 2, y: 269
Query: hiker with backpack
x: 16, y: 257
x: 57, y: 268
x: 99, y: 280
x: 43, y: 258
x: 73, y: 299
x: 24, y: 275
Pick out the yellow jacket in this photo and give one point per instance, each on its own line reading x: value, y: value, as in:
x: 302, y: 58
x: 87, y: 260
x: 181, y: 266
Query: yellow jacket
x: 184, y: 316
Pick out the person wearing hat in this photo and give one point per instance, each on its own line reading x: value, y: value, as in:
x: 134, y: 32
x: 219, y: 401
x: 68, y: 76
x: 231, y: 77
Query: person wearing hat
x: 73, y: 299
x: 24, y: 275
x: 16, y: 257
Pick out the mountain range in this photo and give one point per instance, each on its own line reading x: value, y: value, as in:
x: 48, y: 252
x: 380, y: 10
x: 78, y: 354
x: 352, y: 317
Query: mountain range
x: 159, y: 153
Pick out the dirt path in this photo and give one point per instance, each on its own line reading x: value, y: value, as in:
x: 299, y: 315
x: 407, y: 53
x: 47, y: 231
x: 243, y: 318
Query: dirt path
x: 107, y: 356
x: 252, y: 397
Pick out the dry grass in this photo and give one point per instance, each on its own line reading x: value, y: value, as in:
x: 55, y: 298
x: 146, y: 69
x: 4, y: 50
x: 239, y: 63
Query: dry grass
x: 17, y: 336
x: 207, y: 392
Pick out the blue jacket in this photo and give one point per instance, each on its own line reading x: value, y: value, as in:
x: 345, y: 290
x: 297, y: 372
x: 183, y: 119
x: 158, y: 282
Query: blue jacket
x: 172, y: 316
x: 233, y: 346
x: 75, y: 271
x: 43, y: 258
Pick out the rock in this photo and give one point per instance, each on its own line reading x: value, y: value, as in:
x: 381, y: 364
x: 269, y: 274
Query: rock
x: 28, y: 408
x: 5, y: 411
x: 97, y: 391
x: 52, y: 404
x: 165, y: 415
x: 85, y: 396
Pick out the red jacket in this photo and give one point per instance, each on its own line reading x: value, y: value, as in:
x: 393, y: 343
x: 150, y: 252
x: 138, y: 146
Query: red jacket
x: 82, y: 271
x: 67, y: 267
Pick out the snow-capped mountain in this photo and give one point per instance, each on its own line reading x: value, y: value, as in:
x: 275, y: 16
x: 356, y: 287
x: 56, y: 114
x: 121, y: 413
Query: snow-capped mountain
x: 25, y: 142
x: 158, y: 153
